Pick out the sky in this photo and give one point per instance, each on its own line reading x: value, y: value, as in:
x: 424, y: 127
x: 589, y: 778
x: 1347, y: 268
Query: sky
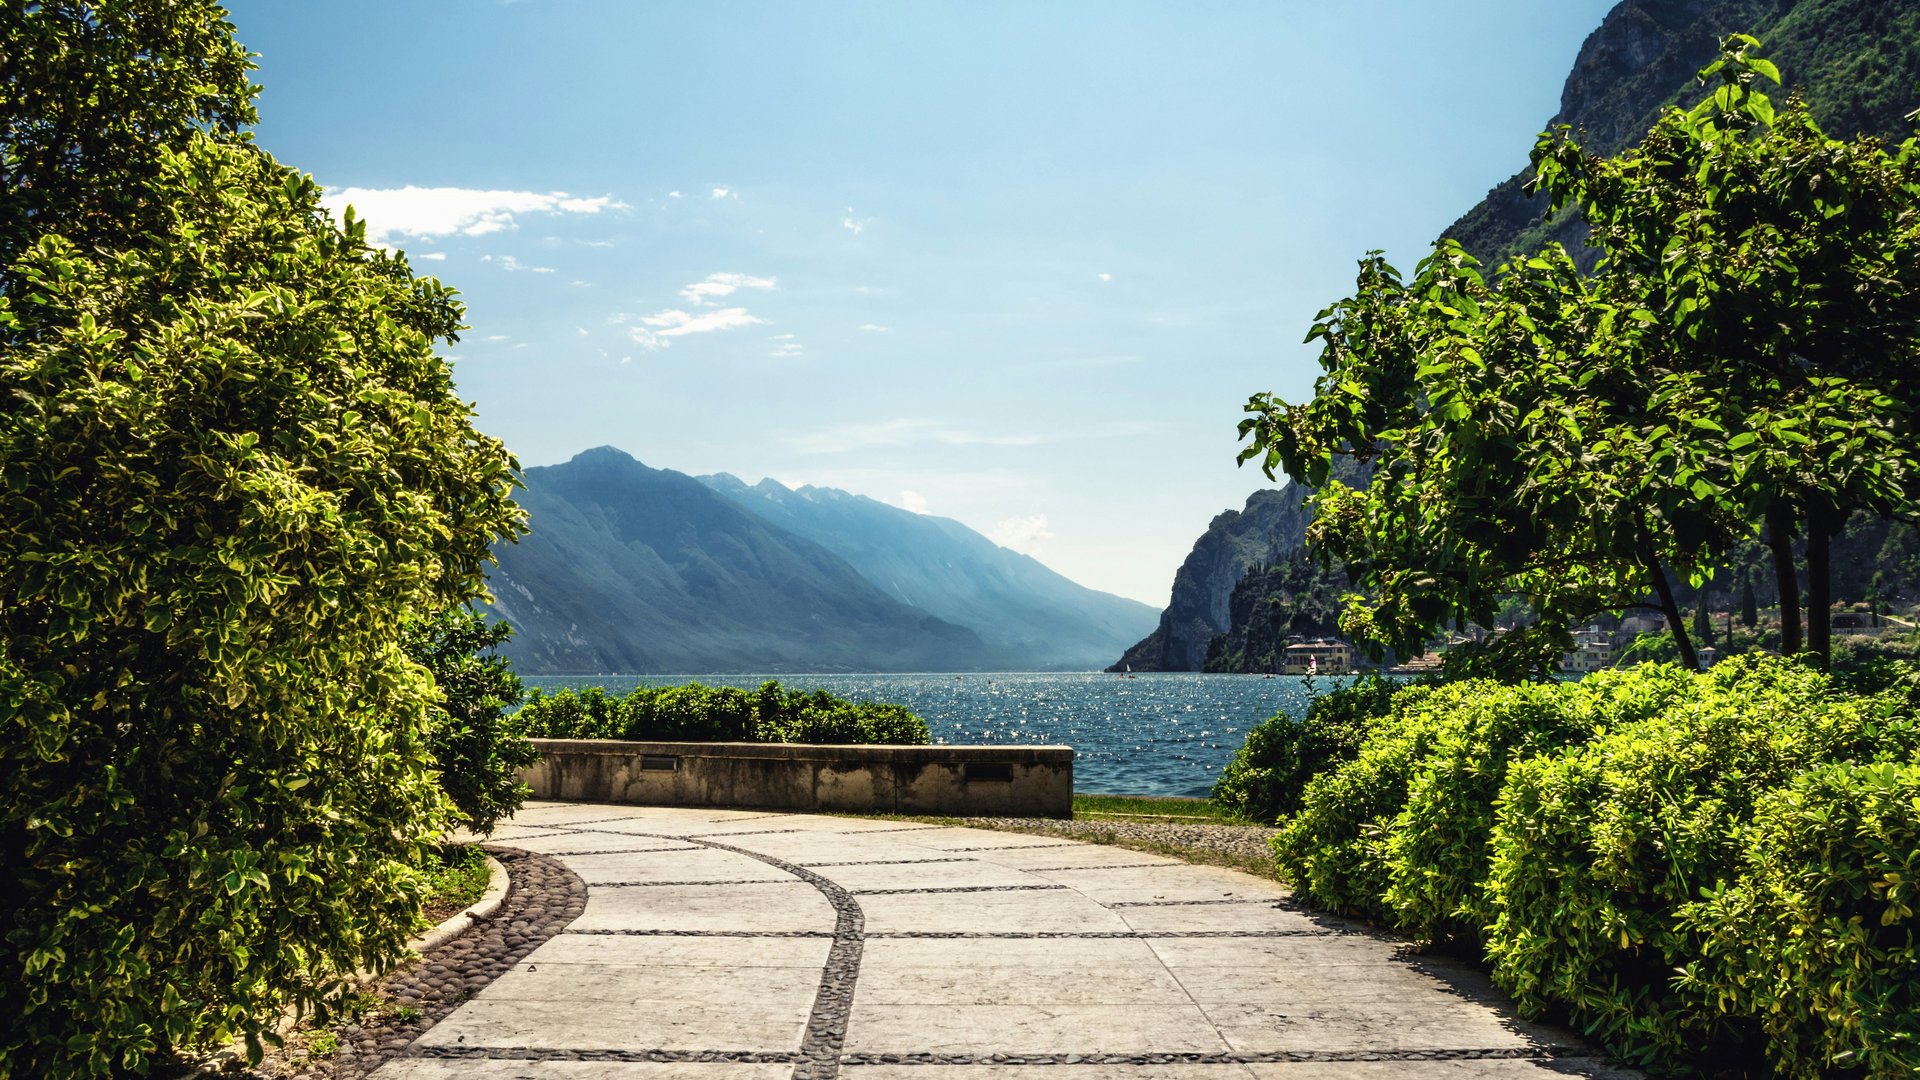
x: 1017, y: 264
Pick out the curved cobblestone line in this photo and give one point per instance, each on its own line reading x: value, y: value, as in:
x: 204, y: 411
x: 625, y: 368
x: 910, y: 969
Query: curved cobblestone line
x: 543, y: 897
x: 819, y: 1057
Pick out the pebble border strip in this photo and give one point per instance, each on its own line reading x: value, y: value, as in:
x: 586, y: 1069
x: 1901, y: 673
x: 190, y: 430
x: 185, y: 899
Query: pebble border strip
x: 971, y: 935
x: 543, y: 896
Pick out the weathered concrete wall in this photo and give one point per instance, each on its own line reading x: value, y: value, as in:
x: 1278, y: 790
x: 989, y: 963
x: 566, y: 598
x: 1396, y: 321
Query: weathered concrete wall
x: 1006, y: 781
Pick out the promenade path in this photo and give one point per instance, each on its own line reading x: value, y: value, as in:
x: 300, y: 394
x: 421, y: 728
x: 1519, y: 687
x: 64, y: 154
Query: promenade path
x: 757, y: 946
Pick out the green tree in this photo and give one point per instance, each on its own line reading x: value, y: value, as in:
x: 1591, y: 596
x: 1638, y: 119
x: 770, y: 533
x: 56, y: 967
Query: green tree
x: 1749, y: 607
x: 1770, y: 279
x: 1738, y: 363
x: 94, y: 93
x: 1702, y: 621
x: 231, y: 469
x: 475, y: 747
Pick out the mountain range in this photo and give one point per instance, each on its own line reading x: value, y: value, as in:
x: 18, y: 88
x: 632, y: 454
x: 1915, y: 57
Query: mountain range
x: 631, y: 569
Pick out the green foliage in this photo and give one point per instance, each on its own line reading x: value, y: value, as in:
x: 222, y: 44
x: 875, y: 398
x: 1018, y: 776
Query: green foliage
x: 1684, y: 864
x: 1815, y: 936
x: 454, y: 876
x: 697, y: 713
x: 231, y: 467
x: 1740, y: 357
x: 478, y: 754
x: 1600, y: 853
x: 1268, y: 773
x: 95, y: 93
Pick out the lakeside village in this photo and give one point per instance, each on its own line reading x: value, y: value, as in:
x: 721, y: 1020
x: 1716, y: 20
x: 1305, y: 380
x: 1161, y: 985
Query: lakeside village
x: 1631, y: 640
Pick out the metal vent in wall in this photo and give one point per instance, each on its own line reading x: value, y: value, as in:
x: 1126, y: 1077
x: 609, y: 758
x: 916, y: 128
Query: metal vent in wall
x: 988, y: 770
x: 658, y: 763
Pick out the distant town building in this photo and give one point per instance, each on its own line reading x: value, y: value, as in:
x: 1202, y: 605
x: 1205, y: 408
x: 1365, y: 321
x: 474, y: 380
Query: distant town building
x: 1593, y: 650
x: 1324, y: 656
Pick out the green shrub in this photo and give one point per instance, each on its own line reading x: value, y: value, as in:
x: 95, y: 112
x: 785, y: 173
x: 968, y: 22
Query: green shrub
x: 1269, y: 772
x: 478, y: 755
x: 1437, y: 847
x: 697, y: 713
x: 1597, y: 852
x: 231, y: 467
x: 1816, y: 936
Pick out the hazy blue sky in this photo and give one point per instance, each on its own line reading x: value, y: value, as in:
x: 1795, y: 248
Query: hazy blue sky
x: 1018, y: 264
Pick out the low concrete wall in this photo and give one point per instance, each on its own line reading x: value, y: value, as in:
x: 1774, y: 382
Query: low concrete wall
x: 1003, y: 781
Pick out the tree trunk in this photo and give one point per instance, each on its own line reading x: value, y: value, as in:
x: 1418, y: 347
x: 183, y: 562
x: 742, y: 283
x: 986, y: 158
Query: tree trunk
x: 1819, y: 585
x: 1675, y: 621
x: 1780, y: 540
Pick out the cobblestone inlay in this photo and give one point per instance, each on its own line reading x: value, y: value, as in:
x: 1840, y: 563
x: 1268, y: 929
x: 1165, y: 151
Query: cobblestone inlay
x: 1020, y: 847
x: 1267, y: 900
x: 903, y: 828
x: 629, y: 851
x: 543, y: 1053
x: 974, y: 934
x: 1231, y: 1057
x: 819, y: 1057
x: 958, y: 889
x: 654, y: 884
x: 748, y: 817
x: 743, y: 832
x: 1115, y: 866
x: 543, y: 896
x: 887, y: 862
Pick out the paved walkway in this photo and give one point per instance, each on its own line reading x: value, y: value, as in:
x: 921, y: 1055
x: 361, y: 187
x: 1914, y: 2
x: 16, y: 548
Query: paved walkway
x: 721, y: 944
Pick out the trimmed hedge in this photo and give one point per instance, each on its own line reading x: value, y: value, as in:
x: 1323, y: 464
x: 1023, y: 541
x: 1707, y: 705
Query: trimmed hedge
x: 1690, y: 867
x: 697, y: 713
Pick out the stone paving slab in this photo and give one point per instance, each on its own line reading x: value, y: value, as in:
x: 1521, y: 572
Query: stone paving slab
x: 785, y: 905
x: 1047, y: 1073
x: 774, y: 1024
x: 1032, y: 1029
x: 813, y: 947
x: 428, y: 1069
x: 651, y: 950
x: 1056, y: 911
x: 1062, y: 971
x: 685, y: 864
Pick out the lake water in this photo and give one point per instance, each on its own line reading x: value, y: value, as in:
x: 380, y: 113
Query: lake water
x: 1153, y: 734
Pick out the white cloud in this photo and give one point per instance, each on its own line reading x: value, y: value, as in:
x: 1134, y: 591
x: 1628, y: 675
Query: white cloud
x: 903, y: 432
x: 431, y: 256
x: 787, y: 350
x: 581, y: 330
x: 511, y: 264
x: 852, y: 224
x: 1106, y: 277
x: 723, y: 284
x: 581, y: 284
x: 675, y: 195
x: 876, y: 328
x: 1022, y: 534
x: 449, y: 211
x: 658, y: 327
x: 780, y: 337
x: 911, y: 500
x: 494, y: 337
x: 721, y: 193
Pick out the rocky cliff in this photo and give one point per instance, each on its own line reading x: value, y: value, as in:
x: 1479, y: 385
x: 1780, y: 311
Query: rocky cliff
x: 1856, y: 63
x: 1269, y: 529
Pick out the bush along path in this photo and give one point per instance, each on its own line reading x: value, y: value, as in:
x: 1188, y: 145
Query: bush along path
x: 741, y: 944
x: 543, y: 898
